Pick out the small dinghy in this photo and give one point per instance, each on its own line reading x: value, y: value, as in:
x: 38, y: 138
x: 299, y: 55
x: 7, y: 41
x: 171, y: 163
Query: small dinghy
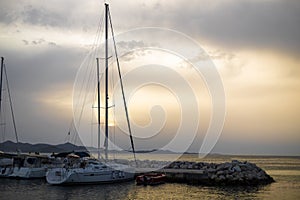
x: 150, y: 179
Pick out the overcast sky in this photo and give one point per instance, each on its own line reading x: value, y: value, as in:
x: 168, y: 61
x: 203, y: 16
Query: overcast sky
x: 254, y: 44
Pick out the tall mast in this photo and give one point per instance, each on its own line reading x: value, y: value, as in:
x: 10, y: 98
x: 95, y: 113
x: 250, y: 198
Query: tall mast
x: 1, y: 78
x: 3, y: 70
x: 122, y: 89
x: 99, y: 120
x: 106, y: 81
x: 11, y: 106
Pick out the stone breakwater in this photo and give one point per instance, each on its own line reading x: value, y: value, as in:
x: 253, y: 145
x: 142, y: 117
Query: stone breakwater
x: 229, y: 173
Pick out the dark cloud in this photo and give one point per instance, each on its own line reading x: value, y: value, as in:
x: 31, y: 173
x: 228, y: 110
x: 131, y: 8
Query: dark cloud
x: 243, y: 24
x: 43, y: 17
x: 231, y: 24
x: 8, y: 13
x: 25, y: 42
x: 52, y: 44
x: 44, y: 14
x: 40, y: 41
x: 37, y: 42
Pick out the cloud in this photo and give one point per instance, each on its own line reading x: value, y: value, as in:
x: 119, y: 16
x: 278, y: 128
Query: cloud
x: 25, y: 42
x: 129, y: 45
x: 8, y: 11
x: 52, y: 44
x: 130, y: 50
x: 40, y: 41
x: 37, y: 42
x: 253, y: 40
x: 55, y: 14
x: 244, y: 24
x: 231, y: 24
x: 41, y: 16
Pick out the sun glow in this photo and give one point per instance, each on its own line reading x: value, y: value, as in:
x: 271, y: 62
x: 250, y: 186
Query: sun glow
x: 111, y: 114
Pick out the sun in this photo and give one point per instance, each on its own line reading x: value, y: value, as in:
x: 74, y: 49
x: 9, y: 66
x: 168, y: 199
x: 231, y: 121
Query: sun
x: 111, y: 121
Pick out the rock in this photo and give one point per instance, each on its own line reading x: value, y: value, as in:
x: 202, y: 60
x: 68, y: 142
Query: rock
x: 222, y: 178
x: 220, y: 172
x: 220, y: 167
x: 204, y: 168
x: 211, y: 170
x: 190, y: 166
x: 235, y: 162
x: 229, y: 177
x: 249, y: 176
x: 243, y: 167
x: 183, y: 166
x: 230, y: 170
x: 261, y: 174
x: 213, y: 176
x: 195, y: 166
x: 237, y: 168
x: 227, y: 165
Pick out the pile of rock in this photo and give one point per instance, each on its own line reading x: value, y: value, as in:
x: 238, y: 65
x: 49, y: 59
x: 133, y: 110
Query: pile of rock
x: 229, y: 173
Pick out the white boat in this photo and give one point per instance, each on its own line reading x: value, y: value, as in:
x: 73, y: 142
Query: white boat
x: 28, y: 173
x: 6, y: 166
x: 6, y: 159
x: 5, y: 171
x: 24, y: 166
x: 92, y: 172
x: 77, y: 170
x: 17, y: 165
x: 29, y: 167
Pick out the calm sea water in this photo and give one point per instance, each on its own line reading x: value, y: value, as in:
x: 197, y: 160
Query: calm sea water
x: 285, y: 171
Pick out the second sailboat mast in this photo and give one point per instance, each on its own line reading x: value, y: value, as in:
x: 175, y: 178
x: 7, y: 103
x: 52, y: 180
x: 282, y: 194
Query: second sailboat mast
x: 1, y: 78
x: 106, y: 81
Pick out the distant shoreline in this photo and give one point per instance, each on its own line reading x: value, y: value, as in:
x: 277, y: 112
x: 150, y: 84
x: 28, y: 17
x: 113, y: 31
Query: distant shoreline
x: 9, y: 146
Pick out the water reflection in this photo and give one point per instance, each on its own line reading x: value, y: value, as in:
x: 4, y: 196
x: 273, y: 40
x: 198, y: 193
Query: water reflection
x: 287, y: 186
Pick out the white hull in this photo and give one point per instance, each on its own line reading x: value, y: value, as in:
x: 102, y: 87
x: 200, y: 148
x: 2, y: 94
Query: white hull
x: 6, y: 171
x: 6, y: 167
x: 90, y: 175
x: 28, y: 173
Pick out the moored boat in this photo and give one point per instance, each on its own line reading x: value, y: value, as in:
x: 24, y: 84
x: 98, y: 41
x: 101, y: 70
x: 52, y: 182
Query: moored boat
x: 88, y: 170
x: 151, y: 179
x: 83, y: 170
x: 29, y: 166
x: 16, y: 165
x: 24, y: 166
x: 6, y: 165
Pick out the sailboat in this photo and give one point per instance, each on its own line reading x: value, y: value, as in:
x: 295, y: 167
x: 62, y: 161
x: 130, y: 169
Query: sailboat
x: 18, y: 165
x: 6, y: 159
x: 84, y: 170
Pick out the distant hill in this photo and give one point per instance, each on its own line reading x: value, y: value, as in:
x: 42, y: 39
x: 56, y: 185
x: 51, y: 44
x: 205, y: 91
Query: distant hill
x: 153, y: 151
x: 9, y: 146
